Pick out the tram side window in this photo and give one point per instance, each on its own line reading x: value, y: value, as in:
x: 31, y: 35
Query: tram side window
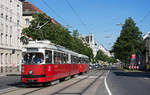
x: 64, y: 58
x: 83, y: 61
x: 48, y: 57
x: 57, y: 58
x: 80, y: 61
x: 76, y: 60
x: 72, y: 59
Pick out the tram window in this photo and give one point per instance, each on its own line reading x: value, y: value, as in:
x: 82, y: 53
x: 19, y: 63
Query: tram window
x: 57, y: 58
x: 33, y: 58
x: 76, y: 60
x: 72, y: 59
x: 80, y: 60
x: 48, y: 57
x: 64, y: 58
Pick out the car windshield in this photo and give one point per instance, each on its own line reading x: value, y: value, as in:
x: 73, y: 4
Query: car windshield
x: 33, y: 58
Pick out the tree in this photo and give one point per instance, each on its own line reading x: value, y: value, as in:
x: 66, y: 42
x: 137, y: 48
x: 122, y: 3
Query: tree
x: 130, y: 41
x: 101, y: 56
x: 75, y: 33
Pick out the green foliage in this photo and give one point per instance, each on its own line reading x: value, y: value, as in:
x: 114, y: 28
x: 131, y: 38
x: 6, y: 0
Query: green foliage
x: 75, y: 33
x: 130, y: 41
x: 101, y: 56
x: 56, y: 34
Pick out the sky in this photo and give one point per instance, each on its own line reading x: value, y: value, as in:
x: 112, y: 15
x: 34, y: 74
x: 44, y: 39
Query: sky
x: 100, y: 17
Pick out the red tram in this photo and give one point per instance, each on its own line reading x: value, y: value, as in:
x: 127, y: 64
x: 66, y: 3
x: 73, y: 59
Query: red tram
x: 44, y: 62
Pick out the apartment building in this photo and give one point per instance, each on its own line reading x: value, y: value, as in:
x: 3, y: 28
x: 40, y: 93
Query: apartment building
x: 10, y: 32
x: 29, y: 10
x: 92, y: 43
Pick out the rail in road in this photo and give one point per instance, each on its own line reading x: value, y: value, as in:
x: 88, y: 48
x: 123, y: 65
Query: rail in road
x: 77, y: 85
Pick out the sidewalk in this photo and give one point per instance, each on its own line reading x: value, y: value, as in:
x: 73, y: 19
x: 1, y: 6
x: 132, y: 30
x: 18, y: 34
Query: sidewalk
x: 10, y: 74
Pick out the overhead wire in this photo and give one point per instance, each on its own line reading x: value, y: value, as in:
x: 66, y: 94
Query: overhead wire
x: 50, y: 8
x: 77, y: 15
x: 144, y: 17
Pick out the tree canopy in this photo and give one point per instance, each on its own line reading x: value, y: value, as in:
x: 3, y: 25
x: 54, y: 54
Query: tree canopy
x: 41, y: 28
x: 101, y: 56
x: 130, y: 41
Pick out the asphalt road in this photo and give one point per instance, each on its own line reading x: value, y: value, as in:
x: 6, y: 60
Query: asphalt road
x: 9, y: 81
x: 128, y: 83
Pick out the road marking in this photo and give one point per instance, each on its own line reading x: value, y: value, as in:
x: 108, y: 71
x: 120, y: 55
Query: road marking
x: 94, y: 77
x: 106, y: 85
x: 81, y: 76
x: 102, y: 77
x: 146, y: 78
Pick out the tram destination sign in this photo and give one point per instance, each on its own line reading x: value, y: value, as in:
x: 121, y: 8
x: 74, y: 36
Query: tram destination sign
x: 32, y: 49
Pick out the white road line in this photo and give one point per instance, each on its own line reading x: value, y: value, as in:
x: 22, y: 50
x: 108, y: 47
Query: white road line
x: 106, y: 85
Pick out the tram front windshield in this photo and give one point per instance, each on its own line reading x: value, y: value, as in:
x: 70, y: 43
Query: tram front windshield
x: 33, y: 58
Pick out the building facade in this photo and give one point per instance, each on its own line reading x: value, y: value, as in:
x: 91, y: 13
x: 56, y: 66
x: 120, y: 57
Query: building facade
x: 28, y: 11
x: 92, y: 43
x: 146, y: 39
x: 10, y: 32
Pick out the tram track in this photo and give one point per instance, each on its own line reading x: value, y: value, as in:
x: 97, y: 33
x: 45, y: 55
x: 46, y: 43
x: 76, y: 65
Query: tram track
x: 10, y: 91
x: 64, y: 87
x: 81, y: 92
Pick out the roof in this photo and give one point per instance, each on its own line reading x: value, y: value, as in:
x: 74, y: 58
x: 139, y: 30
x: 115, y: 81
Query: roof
x: 146, y: 35
x: 29, y: 8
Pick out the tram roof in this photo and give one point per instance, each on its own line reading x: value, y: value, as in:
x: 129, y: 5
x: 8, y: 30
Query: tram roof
x: 48, y: 45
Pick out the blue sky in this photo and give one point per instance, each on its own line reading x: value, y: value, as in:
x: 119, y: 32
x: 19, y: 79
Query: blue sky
x: 100, y: 16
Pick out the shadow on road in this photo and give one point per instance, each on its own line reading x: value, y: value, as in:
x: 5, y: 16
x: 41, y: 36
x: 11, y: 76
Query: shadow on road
x: 133, y: 74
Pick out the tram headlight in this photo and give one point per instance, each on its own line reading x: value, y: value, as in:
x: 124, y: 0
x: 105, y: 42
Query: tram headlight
x: 30, y: 72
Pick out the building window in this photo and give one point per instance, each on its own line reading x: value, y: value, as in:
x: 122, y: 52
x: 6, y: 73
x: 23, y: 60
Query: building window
x: 6, y: 28
x: 1, y: 28
x: 18, y: 22
x: 10, y: 40
x: 6, y: 39
x: 1, y: 38
x: 10, y: 29
x: 6, y: 57
x: 10, y: 58
x: 1, y: 58
x: 6, y: 17
x: 2, y: 15
x: 10, y: 19
x: 17, y: 41
x: 17, y: 5
x: 27, y: 21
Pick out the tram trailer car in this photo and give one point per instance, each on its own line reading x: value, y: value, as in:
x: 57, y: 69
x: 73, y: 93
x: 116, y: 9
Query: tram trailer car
x: 44, y: 62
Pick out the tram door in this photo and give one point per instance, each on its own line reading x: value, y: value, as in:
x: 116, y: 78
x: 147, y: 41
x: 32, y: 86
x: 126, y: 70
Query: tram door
x: 48, y: 63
